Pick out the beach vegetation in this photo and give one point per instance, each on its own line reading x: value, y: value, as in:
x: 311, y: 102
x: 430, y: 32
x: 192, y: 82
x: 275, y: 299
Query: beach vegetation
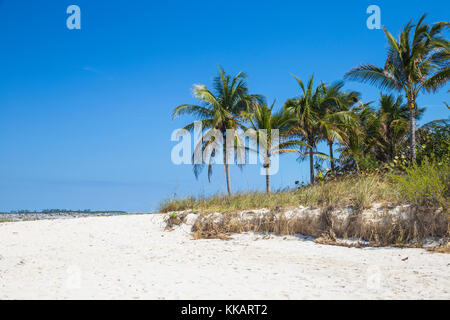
x: 375, y: 152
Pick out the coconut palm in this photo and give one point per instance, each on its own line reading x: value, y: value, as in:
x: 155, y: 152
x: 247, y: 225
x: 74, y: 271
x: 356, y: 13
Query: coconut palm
x: 412, y: 66
x: 263, y: 117
x: 352, y: 150
x: 335, y: 115
x: 379, y: 134
x: 312, y: 124
x: 392, y: 122
x: 220, y: 112
x: 358, y: 136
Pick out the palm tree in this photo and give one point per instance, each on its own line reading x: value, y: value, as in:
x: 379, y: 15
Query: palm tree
x: 220, y: 111
x: 412, y: 66
x: 310, y: 124
x: 376, y: 134
x: 392, y: 122
x: 336, y: 115
x: 358, y: 136
x: 263, y: 117
x: 352, y: 150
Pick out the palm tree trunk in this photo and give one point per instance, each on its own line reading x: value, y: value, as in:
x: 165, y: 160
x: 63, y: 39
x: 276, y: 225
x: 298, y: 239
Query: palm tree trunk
x: 226, y: 166
x: 311, y: 165
x: 330, y: 143
x: 358, y: 171
x: 412, y: 130
x: 267, y: 180
x: 227, y: 174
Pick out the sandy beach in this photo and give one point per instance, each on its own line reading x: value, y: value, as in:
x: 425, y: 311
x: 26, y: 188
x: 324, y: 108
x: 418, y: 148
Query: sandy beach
x: 132, y: 257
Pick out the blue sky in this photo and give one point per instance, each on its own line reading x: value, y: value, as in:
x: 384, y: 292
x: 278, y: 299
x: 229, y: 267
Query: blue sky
x: 85, y: 114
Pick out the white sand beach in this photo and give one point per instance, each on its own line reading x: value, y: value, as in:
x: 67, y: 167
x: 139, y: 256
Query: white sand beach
x: 132, y: 257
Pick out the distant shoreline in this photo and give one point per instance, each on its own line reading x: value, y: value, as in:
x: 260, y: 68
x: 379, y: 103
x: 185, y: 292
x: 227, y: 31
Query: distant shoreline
x: 31, y: 216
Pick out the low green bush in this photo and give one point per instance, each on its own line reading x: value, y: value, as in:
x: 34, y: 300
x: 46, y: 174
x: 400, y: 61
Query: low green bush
x: 425, y: 184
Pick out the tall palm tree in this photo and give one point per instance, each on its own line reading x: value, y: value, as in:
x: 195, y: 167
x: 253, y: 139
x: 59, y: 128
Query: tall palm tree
x: 336, y: 115
x: 392, y: 122
x: 377, y: 134
x: 412, y: 66
x: 263, y: 117
x: 220, y: 111
x: 310, y: 124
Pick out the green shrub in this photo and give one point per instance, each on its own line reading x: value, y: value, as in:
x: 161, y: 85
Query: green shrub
x: 368, y: 162
x: 433, y: 140
x: 425, y: 184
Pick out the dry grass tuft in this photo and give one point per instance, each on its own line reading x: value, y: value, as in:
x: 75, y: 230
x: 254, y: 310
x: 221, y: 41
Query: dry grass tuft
x: 174, y: 219
x: 445, y: 248
x: 212, y: 234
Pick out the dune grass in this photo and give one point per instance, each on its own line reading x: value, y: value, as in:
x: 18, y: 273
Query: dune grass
x: 357, y: 191
x: 427, y: 184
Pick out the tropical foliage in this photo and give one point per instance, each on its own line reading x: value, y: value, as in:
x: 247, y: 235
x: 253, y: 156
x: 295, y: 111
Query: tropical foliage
x: 220, y: 111
x: 359, y: 136
x: 418, y: 61
x: 266, y: 122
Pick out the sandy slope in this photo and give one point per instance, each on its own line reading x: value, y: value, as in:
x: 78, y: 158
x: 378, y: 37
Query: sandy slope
x: 131, y: 257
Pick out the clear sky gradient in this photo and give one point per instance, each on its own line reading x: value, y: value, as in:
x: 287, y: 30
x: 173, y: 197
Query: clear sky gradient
x: 85, y: 115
